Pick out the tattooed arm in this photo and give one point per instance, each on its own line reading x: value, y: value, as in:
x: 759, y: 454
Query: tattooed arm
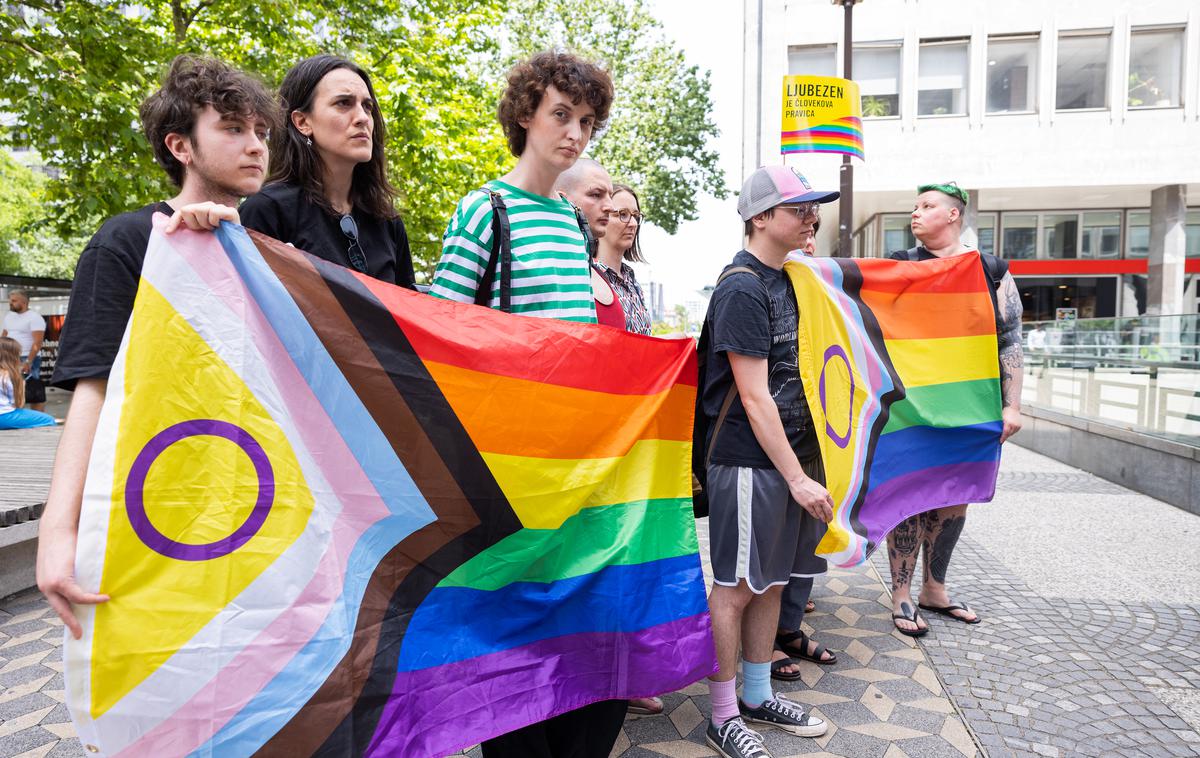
x: 1012, y: 360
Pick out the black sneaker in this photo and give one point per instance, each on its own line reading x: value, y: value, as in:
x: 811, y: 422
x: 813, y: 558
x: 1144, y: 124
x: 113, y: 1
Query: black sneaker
x: 785, y: 715
x: 734, y: 739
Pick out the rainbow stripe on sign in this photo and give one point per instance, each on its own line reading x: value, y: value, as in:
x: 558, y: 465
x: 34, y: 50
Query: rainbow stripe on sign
x: 901, y: 373
x: 841, y: 136
x: 338, y: 517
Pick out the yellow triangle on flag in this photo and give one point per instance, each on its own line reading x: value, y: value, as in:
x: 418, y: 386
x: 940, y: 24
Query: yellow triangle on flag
x: 207, y: 494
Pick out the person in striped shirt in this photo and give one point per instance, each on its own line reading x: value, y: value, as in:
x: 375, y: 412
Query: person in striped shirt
x: 552, y: 105
x: 554, y: 102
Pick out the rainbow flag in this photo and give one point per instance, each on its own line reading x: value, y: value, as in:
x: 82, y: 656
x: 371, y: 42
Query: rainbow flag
x: 901, y: 372
x: 339, y: 517
x: 843, y: 135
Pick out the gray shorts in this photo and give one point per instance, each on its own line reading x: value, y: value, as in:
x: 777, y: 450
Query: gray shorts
x: 757, y: 532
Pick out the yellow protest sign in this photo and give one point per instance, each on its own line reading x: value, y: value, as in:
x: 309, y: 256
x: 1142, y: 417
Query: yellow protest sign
x: 821, y: 114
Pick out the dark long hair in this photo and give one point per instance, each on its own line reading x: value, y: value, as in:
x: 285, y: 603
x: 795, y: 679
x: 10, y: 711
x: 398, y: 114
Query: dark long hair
x: 634, y: 253
x: 294, y: 161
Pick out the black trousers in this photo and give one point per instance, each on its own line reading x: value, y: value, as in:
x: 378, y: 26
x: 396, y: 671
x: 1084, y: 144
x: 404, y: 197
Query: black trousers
x: 587, y: 732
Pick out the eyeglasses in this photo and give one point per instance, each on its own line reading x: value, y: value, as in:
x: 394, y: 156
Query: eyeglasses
x: 802, y: 211
x: 625, y: 216
x: 358, y: 258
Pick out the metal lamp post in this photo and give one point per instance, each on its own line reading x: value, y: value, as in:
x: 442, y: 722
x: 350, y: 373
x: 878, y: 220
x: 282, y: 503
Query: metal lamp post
x: 846, y: 201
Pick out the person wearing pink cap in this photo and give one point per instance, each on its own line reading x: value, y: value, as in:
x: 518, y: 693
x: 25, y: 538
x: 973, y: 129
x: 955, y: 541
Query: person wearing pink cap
x: 764, y: 480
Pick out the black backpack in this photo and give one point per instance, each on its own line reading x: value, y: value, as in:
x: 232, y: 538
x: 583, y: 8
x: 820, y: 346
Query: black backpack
x: 700, y: 425
x: 502, y: 239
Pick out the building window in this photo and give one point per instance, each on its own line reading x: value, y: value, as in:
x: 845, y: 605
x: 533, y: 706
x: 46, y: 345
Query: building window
x: 1155, y: 68
x: 813, y: 60
x: 942, y: 78
x: 1082, y: 71
x: 1060, y: 233
x: 1019, y: 235
x: 1137, y: 234
x: 1101, y: 235
x: 1012, y: 74
x: 897, y: 233
x: 985, y: 228
x: 876, y: 68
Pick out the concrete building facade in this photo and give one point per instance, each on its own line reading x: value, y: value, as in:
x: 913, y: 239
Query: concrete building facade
x: 1074, y: 125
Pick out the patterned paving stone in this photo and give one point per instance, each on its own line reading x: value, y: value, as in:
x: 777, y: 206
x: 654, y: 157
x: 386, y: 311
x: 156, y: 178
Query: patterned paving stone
x: 1052, y: 676
x: 1041, y: 676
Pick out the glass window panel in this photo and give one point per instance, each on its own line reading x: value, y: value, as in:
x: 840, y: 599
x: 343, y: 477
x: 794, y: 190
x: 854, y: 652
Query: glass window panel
x: 1060, y: 232
x: 814, y: 60
x: 897, y: 234
x: 1193, y: 234
x: 1012, y: 75
x: 1155, y: 68
x: 1082, y: 72
x: 1137, y: 234
x: 877, y: 71
x: 942, y: 79
x: 985, y: 227
x: 1019, y: 238
x: 1101, y: 235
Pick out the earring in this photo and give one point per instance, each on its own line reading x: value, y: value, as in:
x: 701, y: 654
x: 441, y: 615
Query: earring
x: 308, y: 140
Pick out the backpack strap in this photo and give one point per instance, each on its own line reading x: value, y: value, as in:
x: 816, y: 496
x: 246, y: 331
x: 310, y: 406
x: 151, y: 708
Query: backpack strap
x: 727, y: 403
x: 725, y: 406
x: 502, y: 239
x: 736, y: 270
x: 589, y: 239
x: 996, y: 267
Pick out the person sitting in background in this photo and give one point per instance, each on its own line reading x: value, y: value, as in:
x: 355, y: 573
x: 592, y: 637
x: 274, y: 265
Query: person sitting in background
x: 28, y: 328
x: 12, y: 391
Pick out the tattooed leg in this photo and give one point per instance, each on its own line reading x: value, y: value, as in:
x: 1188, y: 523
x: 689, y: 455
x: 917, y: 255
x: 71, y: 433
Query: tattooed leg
x: 943, y: 527
x: 903, y: 544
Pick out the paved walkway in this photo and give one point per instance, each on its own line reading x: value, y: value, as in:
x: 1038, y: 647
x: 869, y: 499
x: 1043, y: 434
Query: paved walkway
x: 1090, y: 643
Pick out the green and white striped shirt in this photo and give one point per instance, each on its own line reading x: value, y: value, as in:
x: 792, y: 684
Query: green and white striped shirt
x: 551, y: 274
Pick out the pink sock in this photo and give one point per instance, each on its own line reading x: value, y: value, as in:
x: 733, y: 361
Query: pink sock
x: 724, y: 700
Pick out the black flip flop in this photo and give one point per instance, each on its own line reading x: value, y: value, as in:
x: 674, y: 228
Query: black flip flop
x: 785, y: 643
x: 949, y: 611
x: 907, y: 617
x: 778, y: 674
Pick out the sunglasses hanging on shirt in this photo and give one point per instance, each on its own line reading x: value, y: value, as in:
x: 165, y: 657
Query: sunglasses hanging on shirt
x: 358, y: 258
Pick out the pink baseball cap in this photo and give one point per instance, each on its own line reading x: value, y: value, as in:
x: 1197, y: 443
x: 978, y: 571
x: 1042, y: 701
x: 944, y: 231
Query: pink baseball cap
x: 770, y: 186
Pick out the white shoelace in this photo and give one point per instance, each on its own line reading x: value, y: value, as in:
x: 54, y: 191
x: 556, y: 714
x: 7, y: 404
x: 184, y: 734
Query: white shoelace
x: 784, y: 709
x: 743, y: 736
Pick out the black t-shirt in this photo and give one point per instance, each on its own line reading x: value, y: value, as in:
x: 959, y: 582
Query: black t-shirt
x: 102, y: 293
x: 284, y: 212
x: 755, y: 316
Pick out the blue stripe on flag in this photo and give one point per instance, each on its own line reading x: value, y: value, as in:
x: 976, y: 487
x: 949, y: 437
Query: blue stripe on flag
x: 456, y: 623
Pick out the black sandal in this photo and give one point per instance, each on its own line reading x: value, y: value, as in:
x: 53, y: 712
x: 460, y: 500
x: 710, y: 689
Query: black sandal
x: 915, y: 615
x: 778, y: 674
x: 949, y: 611
x: 784, y: 644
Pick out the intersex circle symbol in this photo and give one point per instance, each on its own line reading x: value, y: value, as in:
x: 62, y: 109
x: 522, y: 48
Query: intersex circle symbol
x: 135, y: 505
x: 836, y: 351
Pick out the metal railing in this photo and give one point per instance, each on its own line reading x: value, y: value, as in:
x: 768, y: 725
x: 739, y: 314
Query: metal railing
x: 1140, y: 373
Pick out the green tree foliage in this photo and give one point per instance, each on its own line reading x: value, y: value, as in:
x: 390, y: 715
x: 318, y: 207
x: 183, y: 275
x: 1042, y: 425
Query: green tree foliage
x: 75, y: 72
x: 660, y: 127
x: 27, y: 245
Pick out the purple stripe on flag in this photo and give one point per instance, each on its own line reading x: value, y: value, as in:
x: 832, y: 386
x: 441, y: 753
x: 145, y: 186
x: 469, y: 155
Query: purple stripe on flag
x: 923, y: 490
x: 432, y: 711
